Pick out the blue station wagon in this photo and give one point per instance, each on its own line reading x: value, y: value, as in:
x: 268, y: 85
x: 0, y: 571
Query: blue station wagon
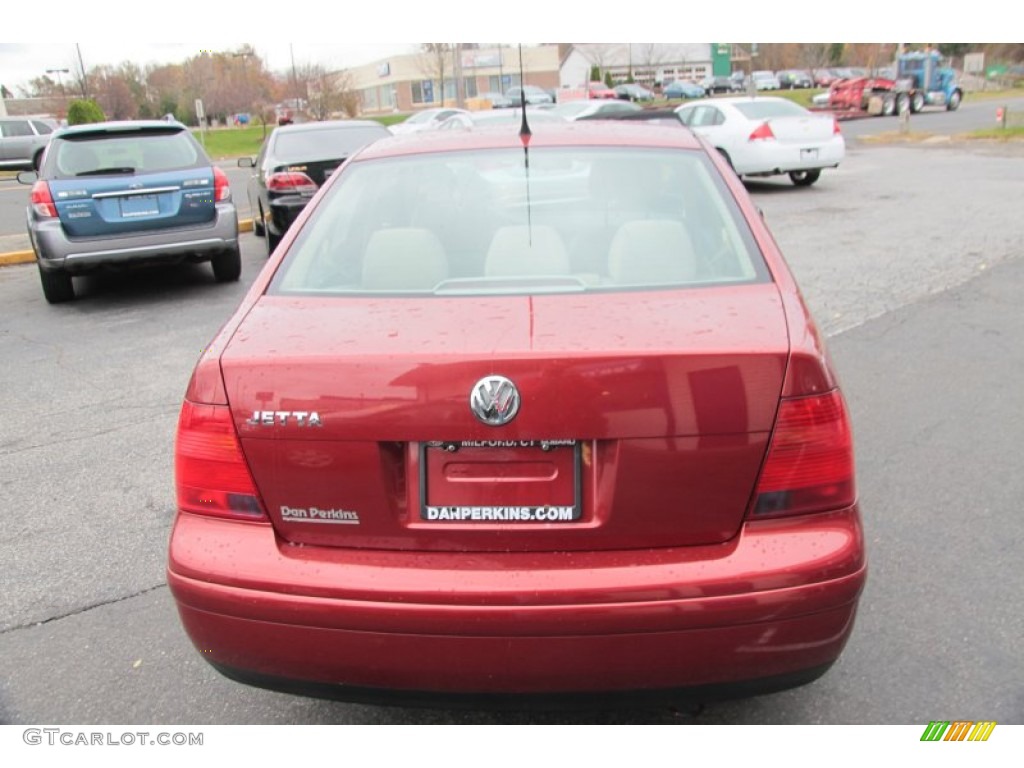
x: 126, y: 194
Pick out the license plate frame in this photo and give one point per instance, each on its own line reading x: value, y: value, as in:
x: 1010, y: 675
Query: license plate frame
x: 809, y: 154
x: 140, y: 205
x: 436, y: 506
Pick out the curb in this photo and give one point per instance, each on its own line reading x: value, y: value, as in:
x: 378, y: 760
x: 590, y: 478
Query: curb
x: 27, y: 257
x: 17, y: 257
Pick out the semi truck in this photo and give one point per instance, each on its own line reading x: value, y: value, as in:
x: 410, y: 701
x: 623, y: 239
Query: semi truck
x: 920, y: 80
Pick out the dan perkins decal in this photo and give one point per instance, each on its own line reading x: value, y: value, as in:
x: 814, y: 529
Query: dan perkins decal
x: 317, y: 515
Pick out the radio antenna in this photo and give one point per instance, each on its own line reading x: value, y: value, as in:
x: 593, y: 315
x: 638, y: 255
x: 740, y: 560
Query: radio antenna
x: 524, y: 128
x: 524, y: 136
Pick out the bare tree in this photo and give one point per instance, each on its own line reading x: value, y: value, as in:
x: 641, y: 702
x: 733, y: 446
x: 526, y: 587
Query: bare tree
x: 599, y: 55
x: 814, y: 56
x: 328, y: 92
x: 113, y: 93
x: 437, y: 63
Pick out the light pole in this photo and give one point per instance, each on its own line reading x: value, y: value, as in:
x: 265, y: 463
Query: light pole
x: 246, y: 93
x: 60, y: 84
x: 751, y: 85
x: 58, y: 73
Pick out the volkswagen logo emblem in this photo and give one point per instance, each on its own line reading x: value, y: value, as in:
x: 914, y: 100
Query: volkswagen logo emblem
x: 494, y: 400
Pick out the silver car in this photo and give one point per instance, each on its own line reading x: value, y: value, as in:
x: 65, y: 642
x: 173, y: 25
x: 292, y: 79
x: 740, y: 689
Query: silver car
x: 22, y: 141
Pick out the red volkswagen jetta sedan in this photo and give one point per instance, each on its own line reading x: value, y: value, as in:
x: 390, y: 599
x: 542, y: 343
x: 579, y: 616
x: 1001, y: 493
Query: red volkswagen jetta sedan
x: 512, y: 415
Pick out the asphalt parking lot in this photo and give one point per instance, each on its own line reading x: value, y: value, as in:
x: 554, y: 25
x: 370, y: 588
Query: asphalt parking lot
x: 910, y: 257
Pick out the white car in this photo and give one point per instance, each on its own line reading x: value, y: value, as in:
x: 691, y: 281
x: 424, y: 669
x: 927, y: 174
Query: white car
x: 766, y: 80
x: 767, y: 136
x: 497, y: 117
x: 426, y: 120
x: 577, y: 110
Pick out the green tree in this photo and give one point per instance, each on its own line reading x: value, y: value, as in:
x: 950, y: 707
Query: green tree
x: 83, y: 111
x: 595, y: 74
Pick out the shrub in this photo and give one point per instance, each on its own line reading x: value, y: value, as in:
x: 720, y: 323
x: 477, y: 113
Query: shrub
x: 85, y: 111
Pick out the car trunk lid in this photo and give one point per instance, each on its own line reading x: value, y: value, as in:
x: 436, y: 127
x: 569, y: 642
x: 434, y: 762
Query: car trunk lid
x: 643, y: 418
x: 317, y: 170
x: 114, y: 205
x: 813, y: 129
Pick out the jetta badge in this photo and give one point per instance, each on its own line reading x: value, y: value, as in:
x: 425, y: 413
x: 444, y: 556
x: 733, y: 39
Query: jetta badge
x: 284, y: 418
x: 494, y: 400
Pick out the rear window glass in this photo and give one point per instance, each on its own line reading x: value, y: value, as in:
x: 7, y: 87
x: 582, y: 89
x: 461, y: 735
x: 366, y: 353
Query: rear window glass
x: 325, y: 143
x: 761, y: 109
x: 484, y: 223
x: 99, y: 154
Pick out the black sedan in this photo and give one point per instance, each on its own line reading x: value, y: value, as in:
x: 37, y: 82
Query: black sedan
x: 633, y: 92
x: 293, y: 163
x: 795, y: 78
x: 719, y: 84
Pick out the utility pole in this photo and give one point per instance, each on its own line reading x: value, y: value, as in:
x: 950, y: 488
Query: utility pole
x: 295, y: 79
x: 81, y: 67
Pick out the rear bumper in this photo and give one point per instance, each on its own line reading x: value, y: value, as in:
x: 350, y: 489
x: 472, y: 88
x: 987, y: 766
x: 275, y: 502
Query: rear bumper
x: 55, y: 251
x: 783, y: 158
x: 771, y: 609
x: 284, y: 211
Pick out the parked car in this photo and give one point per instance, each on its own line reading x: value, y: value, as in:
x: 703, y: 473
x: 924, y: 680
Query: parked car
x: 718, y: 84
x: 22, y: 142
x: 575, y: 110
x: 598, y: 90
x: 681, y: 89
x: 127, y: 194
x: 794, y: 78
x: 664, y: 116
x: 498, y: 100
x: 633, y: 92
x: 825, y: 77
x: 765, y: 81
x: 534, y: 95
x: 424, y: 120
x: 509, y: 419
x: 294, y: 161
x: 512, y: 118
x: 768, y: 135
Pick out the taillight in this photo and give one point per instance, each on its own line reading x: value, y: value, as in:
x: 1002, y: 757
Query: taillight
x: 42, y: 201
x: 221, y: 187
x: 211, y: 475
x: 835, y: 127
x: 290, y: 181
x: 809, y: 467
x: 764, y: 131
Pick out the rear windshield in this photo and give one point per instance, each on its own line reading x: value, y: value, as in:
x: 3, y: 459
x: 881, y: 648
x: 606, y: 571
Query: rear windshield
x: 574, y: 220
x: 326, y: 143
x: 130, y: 153
x: 762, y: 109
